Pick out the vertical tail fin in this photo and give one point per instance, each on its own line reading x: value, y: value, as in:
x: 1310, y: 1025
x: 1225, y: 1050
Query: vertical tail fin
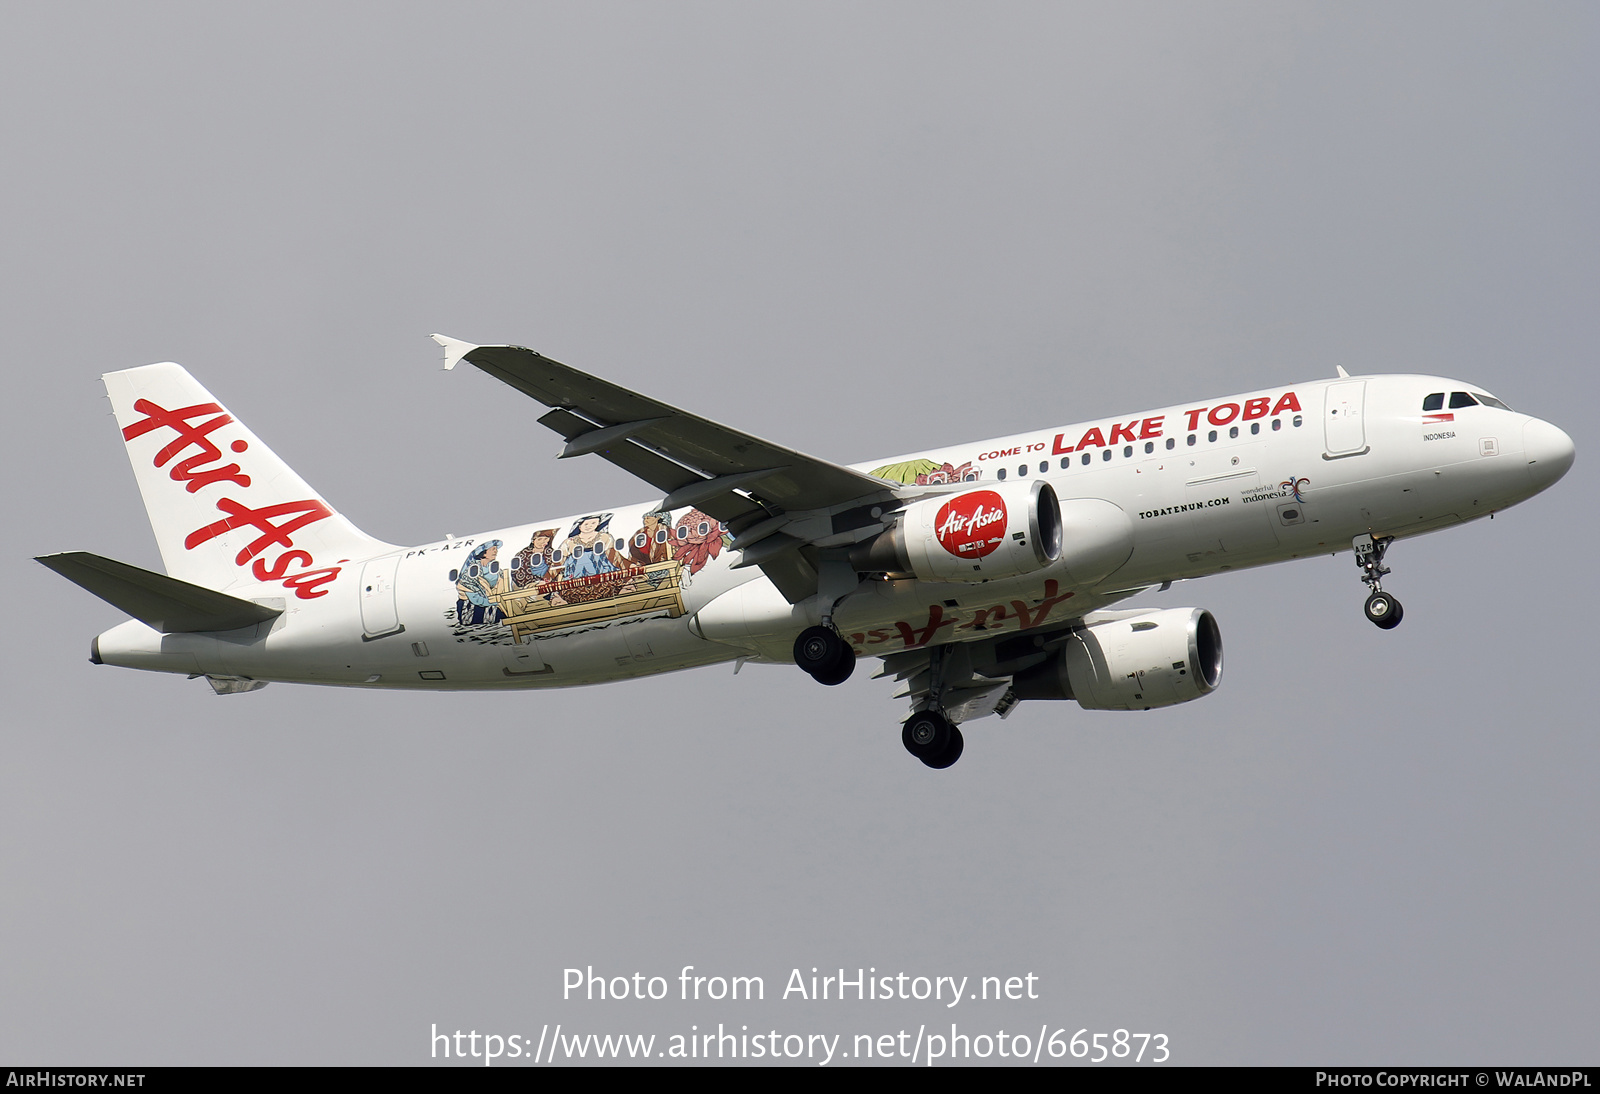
x: 225, y: 509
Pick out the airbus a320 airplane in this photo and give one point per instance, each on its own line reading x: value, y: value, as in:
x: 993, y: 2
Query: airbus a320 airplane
x: 981, y: 574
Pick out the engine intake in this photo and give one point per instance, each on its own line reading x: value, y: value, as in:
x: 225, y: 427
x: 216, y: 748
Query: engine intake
x: 1134, y: 661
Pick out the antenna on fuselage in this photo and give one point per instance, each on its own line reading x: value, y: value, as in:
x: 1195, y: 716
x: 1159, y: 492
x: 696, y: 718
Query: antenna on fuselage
x: 1343, y: 375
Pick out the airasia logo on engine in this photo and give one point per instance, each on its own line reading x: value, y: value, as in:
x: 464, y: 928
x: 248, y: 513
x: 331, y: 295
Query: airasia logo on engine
x: 972, y: 525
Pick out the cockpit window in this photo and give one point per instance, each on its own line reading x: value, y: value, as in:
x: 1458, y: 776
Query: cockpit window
x: 1459, y: 399
x: 1434, y: 401
x: 1490, y: 400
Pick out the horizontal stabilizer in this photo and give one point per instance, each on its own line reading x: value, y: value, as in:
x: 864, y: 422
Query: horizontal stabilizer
x: 165, y: 603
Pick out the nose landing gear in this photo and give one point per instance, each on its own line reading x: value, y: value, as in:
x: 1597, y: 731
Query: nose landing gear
x: 1381, y: 607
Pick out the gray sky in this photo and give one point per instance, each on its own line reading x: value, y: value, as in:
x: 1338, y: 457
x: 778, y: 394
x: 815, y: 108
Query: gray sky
x: 858, y: 230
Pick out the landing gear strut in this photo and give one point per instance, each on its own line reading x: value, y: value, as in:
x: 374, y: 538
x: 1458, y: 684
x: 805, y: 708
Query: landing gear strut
x: 929, y: 736
x: 1382, y: 608
x: 827, y: 657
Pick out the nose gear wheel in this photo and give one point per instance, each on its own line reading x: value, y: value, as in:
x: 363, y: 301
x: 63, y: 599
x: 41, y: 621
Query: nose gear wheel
x: 1382, y: 608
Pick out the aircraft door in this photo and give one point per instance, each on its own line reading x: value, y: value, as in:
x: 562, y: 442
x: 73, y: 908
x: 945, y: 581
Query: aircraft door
x: 1344, y: 427
x: 379, y: 616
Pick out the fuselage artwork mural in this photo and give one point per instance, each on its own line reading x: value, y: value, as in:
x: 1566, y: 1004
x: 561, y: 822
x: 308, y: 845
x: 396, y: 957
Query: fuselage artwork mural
x: 564, y: 583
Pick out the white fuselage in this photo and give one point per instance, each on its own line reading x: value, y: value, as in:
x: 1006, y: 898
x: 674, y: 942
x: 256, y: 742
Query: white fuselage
x: 1251, y: 479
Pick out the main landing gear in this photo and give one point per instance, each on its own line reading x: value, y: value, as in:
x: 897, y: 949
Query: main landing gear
x: 827, y: 657
x: 1382, y: 608
x: 929, y: 736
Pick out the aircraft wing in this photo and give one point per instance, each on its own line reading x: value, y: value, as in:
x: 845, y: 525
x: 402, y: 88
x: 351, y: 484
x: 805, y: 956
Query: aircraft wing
x: 973, y: 676
x: 747, y: 482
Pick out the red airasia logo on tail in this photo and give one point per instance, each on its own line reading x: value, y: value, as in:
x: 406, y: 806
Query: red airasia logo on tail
x: 192, y: 471
x: 971, y: 525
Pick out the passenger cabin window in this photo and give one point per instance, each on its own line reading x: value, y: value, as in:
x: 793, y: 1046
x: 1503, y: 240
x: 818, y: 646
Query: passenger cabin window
x: 1277, y: 423
x: 1255, y: 427
x: 1106, y: 455
x: 1232, y: 433
x: 1149, y: 447
x: 1022, y: 470
x: 1172, y: 442
x: 1086, y: 459
x: 1127, y: 450
x: 1433, y: 402
x: 1459, y: 399
x: 1001, y: 474
x: 1066, y: 462
x: 1044, y: 465
x: 1212, y: 436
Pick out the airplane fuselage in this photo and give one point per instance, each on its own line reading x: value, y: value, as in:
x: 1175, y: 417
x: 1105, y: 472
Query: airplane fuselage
x: 1225, y: 484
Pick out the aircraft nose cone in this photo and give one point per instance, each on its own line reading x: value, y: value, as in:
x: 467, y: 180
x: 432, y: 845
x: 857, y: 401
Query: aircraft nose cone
x: 1550, y: 452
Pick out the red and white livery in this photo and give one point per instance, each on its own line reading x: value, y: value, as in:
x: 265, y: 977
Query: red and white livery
x: 982, y: 575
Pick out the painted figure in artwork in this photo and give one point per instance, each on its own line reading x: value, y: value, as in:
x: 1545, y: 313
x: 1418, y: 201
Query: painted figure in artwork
x: 697, y: 539
x: 534, y: 565
x: 589, y: 550
x: 926, y: 472
x: 477, y: 580
x: 653, y: 542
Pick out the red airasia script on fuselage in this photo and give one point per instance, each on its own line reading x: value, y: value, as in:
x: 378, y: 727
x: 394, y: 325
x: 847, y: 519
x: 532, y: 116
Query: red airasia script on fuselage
x: 195, y: 474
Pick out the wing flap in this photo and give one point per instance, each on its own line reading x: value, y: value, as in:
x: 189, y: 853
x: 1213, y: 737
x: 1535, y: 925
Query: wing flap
x: 792, y: 576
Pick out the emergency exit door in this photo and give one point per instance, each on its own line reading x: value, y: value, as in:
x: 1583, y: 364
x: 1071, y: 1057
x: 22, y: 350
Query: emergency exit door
x: 379, y: 616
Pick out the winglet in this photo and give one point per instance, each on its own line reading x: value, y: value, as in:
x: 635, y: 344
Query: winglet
x: 454, y: 349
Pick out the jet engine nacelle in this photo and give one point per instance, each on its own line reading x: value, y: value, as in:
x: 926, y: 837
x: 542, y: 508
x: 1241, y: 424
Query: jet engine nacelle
x: 1003, y: 530
x: 1133, y: 661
